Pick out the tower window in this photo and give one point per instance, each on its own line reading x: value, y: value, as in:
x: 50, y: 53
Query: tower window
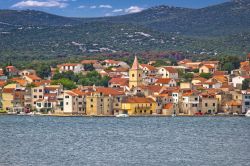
x: 133, y: 75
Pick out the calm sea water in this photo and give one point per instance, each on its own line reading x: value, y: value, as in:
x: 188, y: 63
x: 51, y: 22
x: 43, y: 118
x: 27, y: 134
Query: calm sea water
x: 57, y: 141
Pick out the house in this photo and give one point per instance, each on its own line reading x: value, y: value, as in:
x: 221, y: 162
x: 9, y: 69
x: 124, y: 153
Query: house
x: 148, y: 69
x: 190, y: 103
x: 36, y: 94
x: 12, y: 71
x: 245, y: 101
x: 13, y: 98
x: 75, y: 67
x: 74, y: 102
x: 207, y: 68
x: 139, y: 106
x: 118, y: 82
x: 168, y: 72
x: 168, y: 82
x: 212, y: 84
x: 232, y: 106
x: 104, y: 101
x: 111, y: 63
x: 32, y: 78
x: 198, y: 80
x: 87, y: 62
x: 27, y: 72
x: 20, y: 81
x: 238, y: 80
x: 214, y: 64
x: 209, y: 103
x: 186, y: 85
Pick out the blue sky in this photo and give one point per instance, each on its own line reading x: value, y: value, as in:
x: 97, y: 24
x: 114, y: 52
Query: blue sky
x: 97, y: 8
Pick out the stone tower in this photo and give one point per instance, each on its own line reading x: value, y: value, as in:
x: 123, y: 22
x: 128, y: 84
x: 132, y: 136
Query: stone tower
x: 135, y: 75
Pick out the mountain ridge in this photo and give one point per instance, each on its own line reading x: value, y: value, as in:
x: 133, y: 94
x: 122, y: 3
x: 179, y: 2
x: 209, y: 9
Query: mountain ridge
x: 219, y: 29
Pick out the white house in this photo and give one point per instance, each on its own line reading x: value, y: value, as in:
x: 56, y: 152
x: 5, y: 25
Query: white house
x: 168, y: 72
x: 245, y: 101
x: 76, y: 68
x: 237, y: 81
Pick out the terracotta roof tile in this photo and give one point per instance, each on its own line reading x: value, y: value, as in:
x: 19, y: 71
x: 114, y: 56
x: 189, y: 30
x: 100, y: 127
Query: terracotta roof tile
x: 138, y: 100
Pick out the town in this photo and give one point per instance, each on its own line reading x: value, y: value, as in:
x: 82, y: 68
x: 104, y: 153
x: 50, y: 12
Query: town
x: 110, y: 88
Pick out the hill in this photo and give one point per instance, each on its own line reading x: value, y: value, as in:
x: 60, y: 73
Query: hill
x: 215, y: 30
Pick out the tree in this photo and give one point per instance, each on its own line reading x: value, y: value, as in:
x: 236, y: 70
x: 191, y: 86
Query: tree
x: 228, y: 67
x: 206, y: 75
x: 188, y: 77
x: 67, y: 84
x: 246, y: 84
x: 89, y: 67
x: 43, y: 70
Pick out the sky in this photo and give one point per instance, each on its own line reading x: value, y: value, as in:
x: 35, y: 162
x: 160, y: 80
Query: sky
x: 98, y: 8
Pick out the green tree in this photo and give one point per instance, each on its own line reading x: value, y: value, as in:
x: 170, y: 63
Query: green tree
x: 43, y: 70
x: 206, y: 75
x: 246, y: 84
x: 67, y: 84
x: 89, y: 67
x: 228, y: 67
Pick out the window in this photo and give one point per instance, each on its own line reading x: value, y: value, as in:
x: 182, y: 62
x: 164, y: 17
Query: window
x: 39, y: 104
x: 80, y: 103
x: 133, y: 75
x: 40, y: 90
x: 196, y: 99
x: 35, y: 90
x: 40, y: 97
x: 67, y: 97
x: 91, y: 100
x: 213, y: 104
x: 67, y: 103
x: 35, y: 96
x: 206, y: 104
x: 91, y: 106
x: 247, y: 103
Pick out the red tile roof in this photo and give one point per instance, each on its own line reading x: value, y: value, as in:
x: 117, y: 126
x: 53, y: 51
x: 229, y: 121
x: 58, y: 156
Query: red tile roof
x: 138, y: 100
x: 89, y: 62
x: 109, y: 91
x: 120, y: 81
x: 171, y: 69
x: 163, y: 80
x: 34, y: 77
x: 209, y: 66
x: 8, y: 90
x: 149, y: 67
x: 168, y: 106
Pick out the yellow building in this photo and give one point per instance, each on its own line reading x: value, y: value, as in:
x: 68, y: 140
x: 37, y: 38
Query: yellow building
x: 8, y: 97
x: 103, y: 101
x: 135, y: 75
x: 139, y: 106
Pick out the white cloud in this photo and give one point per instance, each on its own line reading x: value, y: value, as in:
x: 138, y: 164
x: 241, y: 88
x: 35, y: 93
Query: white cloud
x: 81, y: 7
x: 108, y: 14
x: 105, y: 6
x: 117, y: 10
x: 93, y: 7
x: 34, y: 3
x: 133, y: 9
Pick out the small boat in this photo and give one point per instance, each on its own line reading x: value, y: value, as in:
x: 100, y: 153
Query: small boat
x: 31, y: 113
x: 173, y: 115
x: 122, y: 116
x: 12, y: 113
x: 248, y: 113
